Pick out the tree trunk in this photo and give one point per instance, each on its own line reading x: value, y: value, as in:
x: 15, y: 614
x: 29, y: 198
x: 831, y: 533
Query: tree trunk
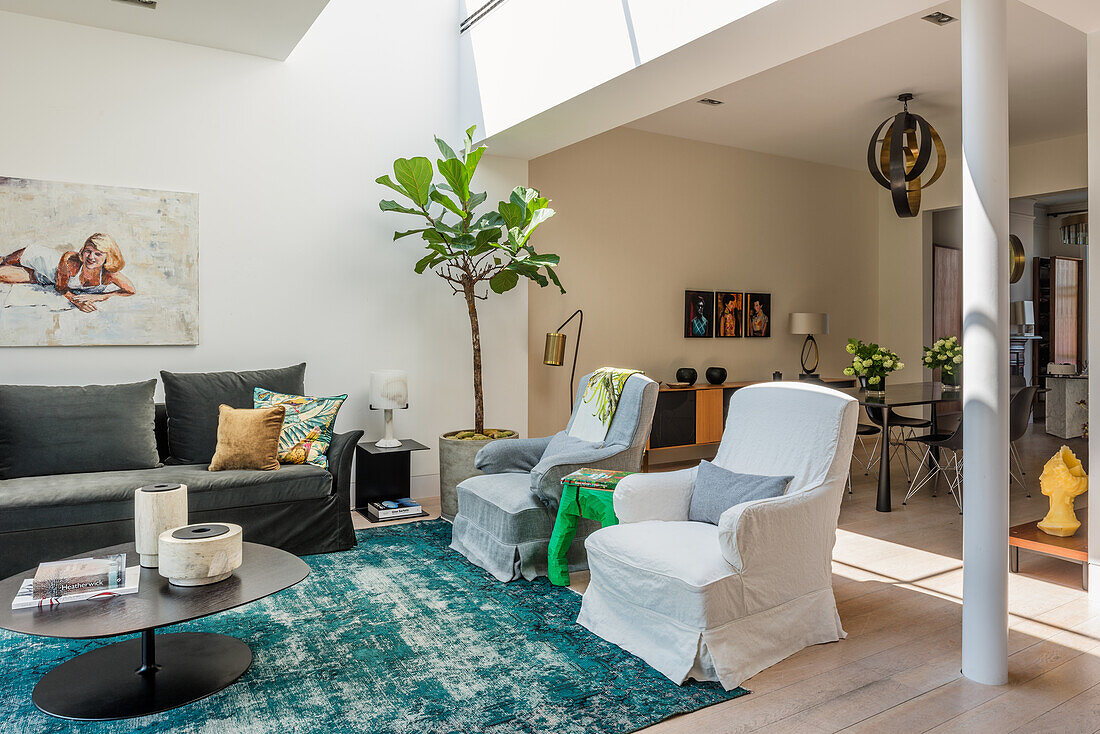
x: 479, y: 396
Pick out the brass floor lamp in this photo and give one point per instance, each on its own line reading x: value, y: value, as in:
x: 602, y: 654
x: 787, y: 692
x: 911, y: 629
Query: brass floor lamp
x: 554, y: 353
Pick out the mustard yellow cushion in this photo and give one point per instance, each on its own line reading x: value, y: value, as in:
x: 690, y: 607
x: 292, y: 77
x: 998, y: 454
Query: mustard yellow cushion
x: 248, y: 438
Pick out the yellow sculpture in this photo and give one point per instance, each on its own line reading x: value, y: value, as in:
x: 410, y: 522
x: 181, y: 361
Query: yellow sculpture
x: 1063, y: 478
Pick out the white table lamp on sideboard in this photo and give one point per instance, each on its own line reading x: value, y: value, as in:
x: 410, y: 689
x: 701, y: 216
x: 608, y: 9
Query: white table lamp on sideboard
x: 389, y: 391
x: 809, y: 324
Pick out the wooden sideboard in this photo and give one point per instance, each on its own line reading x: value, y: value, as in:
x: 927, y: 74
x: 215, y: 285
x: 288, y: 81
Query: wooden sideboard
x: 688, y: 422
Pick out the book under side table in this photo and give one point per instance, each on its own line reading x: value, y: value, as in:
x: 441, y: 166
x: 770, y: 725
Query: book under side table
x: 576, y: 502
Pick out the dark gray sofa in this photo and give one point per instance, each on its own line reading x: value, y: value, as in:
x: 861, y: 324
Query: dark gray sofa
x: 300, y: 508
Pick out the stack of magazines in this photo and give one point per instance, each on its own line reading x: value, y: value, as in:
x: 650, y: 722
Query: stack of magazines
x: 59, y: 582
x: 595, y: 478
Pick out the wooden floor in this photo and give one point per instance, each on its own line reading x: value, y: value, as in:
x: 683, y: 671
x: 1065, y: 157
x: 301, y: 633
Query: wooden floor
x: 898, y: 583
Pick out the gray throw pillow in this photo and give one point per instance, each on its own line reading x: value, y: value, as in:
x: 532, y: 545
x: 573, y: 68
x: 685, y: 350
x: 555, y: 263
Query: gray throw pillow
x: 69, y: 429
x: 717, y: 490
x: 192, y: 399
x: 562, y: 444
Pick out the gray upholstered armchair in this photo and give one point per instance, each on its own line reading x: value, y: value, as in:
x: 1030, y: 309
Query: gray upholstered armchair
x: 506, y: 515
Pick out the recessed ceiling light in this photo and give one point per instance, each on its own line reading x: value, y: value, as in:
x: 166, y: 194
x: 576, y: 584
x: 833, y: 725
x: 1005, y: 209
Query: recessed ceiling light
x: 709, y: 101
x: 938, y: 18
x: 151, y: 4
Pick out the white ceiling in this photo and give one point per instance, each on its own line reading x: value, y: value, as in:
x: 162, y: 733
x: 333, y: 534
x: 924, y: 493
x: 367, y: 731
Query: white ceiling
x: 268, y: 28
x: 824, y: 106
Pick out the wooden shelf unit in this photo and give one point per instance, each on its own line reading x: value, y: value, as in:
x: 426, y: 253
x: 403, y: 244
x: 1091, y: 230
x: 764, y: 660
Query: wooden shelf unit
x: 688, y: 421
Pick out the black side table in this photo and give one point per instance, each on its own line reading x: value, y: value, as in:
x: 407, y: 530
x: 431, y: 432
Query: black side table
x: 383, y: 473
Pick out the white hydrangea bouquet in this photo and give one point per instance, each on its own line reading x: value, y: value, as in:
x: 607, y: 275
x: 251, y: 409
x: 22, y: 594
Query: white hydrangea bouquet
x: 871, y: 363
x: 947, y: 355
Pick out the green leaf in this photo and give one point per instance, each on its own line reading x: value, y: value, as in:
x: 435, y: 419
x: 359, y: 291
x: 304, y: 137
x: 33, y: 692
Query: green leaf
x: 385, y: 180
x: 489, y: 219
x: 445, y: 149
x: 388, y: 205
x: 457, y: 176
x: 487, y: 236
x: 476, y: 200
x: 537, y: 218
x: 503, y: 281
x: 469, y: 141
x: 481, y: 248
x: 472, y: 160
x: 463, y: 243
x: 443, y: 227
x: 440, y: 198
x: 432, y: 237
x: 406, y: 233
x: 427, y: 261
x: 514, y: 242
x: 554, y: 277
x: 512, y: 214
x: 547, y: 259
x: 527, y: 270
x: 522, y: 196
x: 415, y: 174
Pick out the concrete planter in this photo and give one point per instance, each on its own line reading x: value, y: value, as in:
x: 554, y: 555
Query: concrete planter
x: 456, y: 464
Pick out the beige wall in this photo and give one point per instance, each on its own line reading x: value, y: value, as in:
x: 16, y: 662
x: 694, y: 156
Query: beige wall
x: 643, y: 217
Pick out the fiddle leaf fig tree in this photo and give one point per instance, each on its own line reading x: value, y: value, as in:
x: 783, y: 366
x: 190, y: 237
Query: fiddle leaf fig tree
x: 473, y: 253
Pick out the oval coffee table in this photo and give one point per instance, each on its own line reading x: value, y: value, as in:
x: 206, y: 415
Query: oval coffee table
x: 152, y: 673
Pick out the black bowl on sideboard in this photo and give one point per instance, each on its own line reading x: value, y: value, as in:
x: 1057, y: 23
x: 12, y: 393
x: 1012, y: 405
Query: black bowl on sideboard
x: 687, y: 374
x: 716, y: 375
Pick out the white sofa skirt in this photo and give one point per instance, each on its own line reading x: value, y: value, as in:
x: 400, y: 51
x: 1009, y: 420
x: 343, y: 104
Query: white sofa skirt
x: 695, y: 619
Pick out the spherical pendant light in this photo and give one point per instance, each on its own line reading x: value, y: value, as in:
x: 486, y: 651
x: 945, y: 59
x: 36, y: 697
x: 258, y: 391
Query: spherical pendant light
x: 904, y: 154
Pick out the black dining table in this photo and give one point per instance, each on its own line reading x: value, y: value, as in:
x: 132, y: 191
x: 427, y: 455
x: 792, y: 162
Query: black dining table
x: 905, y: 395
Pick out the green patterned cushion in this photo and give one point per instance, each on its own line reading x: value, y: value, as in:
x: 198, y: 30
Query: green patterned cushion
x: 307, y: 428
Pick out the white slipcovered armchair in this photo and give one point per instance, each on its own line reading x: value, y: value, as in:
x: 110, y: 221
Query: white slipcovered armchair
x: 723, y: 602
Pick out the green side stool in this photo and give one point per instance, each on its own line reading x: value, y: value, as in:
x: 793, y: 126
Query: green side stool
x: 576, y: 502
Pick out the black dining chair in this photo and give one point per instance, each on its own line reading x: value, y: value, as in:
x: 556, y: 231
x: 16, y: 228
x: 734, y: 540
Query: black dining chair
x: 907, y: 428
x: 862, y: 431
x: 1019, y: 415
x: 950, y: 468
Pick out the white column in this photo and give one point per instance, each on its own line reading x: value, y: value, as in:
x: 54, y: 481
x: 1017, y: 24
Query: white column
x: 1093, y: 279
x: 985, y: 340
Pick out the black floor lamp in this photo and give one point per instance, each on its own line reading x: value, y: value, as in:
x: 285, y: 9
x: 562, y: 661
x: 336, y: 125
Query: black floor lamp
x: 554, y: 354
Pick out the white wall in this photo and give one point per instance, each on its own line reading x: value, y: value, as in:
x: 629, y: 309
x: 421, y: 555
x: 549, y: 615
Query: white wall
x: 296, y: 260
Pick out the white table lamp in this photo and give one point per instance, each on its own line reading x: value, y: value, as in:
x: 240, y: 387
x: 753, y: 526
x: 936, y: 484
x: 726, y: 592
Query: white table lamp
x: 809, y: 324
x: 389, y: 391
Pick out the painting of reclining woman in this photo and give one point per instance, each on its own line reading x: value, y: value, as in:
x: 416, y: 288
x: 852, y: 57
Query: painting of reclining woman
x: 83, y: 278
x: 84, y: 265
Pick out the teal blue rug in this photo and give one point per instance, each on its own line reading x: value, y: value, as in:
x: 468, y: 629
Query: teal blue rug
x: 398, y: 636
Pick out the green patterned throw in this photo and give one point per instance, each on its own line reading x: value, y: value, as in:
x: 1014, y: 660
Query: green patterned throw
x: 599, y: 402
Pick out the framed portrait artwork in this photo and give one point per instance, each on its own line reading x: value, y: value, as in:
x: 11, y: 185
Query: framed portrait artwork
x: 729, y: 314
x: 758, y: 314
x: 698, y: 314
x: 86, y: 265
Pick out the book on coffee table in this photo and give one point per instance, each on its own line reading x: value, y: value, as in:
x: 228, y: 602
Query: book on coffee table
x: 25, y: 598
x: 605, y: 479
x: 55, y: 579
